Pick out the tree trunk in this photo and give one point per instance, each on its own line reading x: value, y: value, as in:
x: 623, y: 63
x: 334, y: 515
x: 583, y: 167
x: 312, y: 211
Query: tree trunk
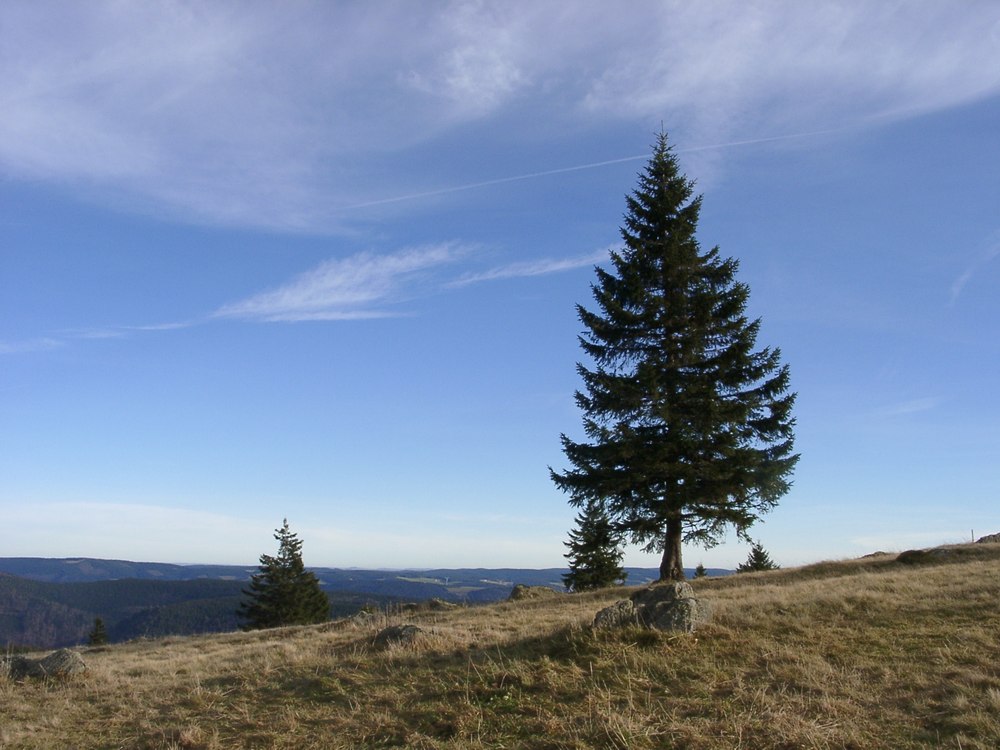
x: 671, y: 567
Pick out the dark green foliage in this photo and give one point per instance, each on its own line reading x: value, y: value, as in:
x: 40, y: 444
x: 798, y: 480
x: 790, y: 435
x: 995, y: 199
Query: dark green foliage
x: 30, y: 618
x: 700, y: 571
x: 758, y: 559
x: 595, y: 554
x: 283, y: 592
x: 195, y: 616
x: 689, y: 427
x: 99, y: 635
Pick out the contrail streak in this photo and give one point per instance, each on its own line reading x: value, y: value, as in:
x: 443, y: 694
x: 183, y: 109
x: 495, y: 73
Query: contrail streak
x: 577, y: 168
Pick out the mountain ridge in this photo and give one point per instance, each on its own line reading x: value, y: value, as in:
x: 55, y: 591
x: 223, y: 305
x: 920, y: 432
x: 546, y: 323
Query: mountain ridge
x: 52, y: 602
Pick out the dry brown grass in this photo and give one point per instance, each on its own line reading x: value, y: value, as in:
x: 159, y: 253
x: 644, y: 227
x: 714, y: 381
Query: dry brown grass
x: 859, y: 654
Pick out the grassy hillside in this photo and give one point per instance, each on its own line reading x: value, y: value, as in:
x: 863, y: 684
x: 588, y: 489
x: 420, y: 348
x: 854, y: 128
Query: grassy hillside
x: 872, y: 653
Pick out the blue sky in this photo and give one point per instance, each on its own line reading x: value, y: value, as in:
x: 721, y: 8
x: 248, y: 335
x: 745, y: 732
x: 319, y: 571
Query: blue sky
x: 320, y: 261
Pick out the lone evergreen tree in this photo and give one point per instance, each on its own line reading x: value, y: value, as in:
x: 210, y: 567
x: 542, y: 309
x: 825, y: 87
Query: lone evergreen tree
x: 99, y: 635
x: 758, y: 559
x: 595, y: 554
x: 700, y: 571
x: 690, y: 427
x: 283, y: 592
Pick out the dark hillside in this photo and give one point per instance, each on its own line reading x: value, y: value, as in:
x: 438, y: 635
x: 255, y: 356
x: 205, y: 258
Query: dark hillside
x: 28, y: 619
x: 39, y: 614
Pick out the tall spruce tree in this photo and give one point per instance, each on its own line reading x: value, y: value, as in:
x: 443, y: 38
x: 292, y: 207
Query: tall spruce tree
x: 690, y: 427
x: 283, y: 592
x: 595, y: 553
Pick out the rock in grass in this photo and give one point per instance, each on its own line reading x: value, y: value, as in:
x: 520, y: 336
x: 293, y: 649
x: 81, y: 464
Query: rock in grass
x: 668, y: 606
x: 397, y: 634
x: 521, y: 592
x: 662, y: 593
x: 989, y: 539
x: 61, y: 663
x: 680, y: 615
x: 618, y: 615
x: 920, y: 556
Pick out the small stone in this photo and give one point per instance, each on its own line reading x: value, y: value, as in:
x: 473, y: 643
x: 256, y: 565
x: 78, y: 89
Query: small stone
x: 440, y: 605
x: 397, y: 635
x: 618, y: 615
x: 920, y: 556
x: 521, y: 592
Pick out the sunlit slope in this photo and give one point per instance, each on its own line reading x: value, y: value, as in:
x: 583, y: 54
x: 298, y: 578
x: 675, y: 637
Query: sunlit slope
x: 869, y: 653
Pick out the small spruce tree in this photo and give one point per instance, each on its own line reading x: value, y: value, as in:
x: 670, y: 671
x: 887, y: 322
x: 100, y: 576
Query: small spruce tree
x: 595, y: 554
x: 758, y: 559
x: 700, y: 571
x: 99, y: 635
x: 283, y: 592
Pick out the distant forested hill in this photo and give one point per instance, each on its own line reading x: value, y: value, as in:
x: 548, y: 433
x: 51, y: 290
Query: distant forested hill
x: 46, y: 602
x: 477, y: 584
x: 40, y: 614
x: 81, y: 569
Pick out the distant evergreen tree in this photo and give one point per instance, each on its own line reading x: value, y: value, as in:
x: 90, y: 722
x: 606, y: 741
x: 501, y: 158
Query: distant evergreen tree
x: 758, y: 559
x: 689, y: 425
x: 594, y: 553
x: 283, y: 592
x: 700, y: 571
x: 99, y: 635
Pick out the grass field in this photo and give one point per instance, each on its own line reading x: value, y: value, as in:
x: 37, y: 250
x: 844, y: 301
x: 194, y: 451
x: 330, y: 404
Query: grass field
x: 868, y: 653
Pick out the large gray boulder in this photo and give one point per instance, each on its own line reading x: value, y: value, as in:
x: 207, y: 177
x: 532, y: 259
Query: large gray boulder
x: 682, y: 615
x: 61, y: 663
x: 669, y: 606
x: 662, y: 593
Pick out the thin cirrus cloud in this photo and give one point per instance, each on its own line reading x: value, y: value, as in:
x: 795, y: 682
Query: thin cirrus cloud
x: 368, y: 285
x: 524, y: 269
x: 64, y: 337
x: 914, y: 406
x: 975, y: 269
x: 360, y: 286
x: 262, y: 114
x: 41, y: 344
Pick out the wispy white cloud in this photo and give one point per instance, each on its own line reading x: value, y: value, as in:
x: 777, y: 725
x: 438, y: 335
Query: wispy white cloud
x: 287, y: 116
x: 357, y: 287
x: 913, y: 406
x: 481, y: 64
x: 788, y: 62
x: 540, y: 267
x: 121, y: 331
x: 30, y: 345
x: 363, y: 286
x: 63, y: 337
x: 162, y: 326
x: 974, y: 269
